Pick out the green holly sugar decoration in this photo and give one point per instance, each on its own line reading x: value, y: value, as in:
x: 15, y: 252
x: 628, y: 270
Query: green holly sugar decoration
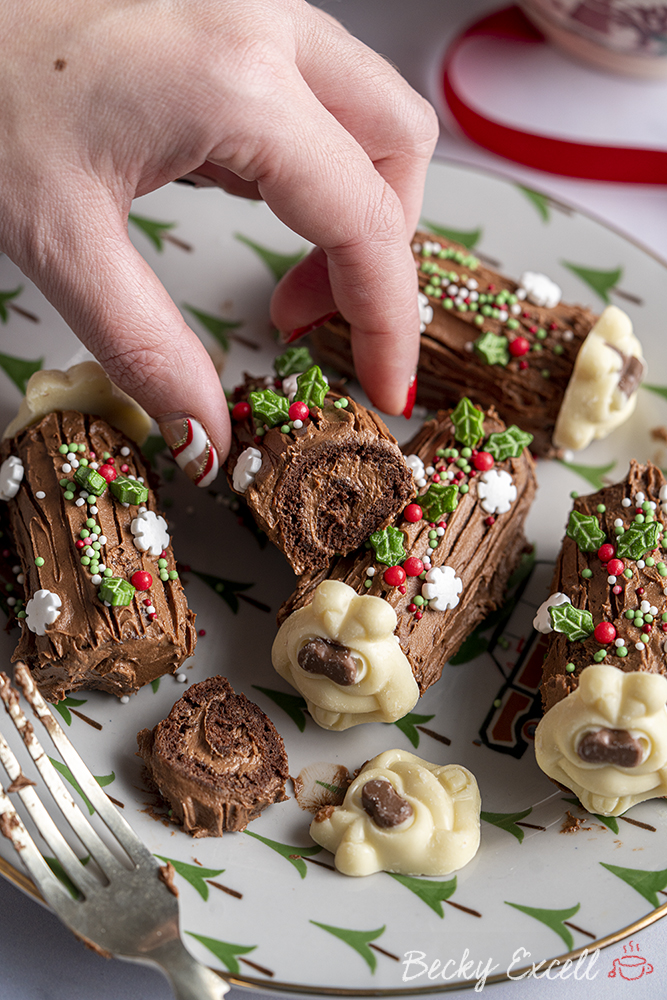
x: 90, y: 480
x: 439, y: 499
x: 388, y: 546
x: 492, y: 349
x: 311, y: 387
x: 293, y: 360
x: 128, y: 490
x: 637, y: 540
x: 118, y: 593
x: 468, y: 422
x: 269, y: 408
x: 572, y: 622
x: 508, y: 443
x: 585, y: 530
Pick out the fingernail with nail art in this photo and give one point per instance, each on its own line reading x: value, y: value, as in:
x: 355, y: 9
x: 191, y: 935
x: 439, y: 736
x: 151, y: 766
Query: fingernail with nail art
x: 191, y: 447
x: 301, y: 331
x: 412, y: 395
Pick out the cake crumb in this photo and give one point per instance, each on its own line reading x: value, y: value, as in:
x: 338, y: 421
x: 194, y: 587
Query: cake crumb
x: 572, y: 824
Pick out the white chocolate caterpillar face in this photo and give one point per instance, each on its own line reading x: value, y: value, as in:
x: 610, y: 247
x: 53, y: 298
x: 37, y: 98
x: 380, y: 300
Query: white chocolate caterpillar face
x: 602, y: 390
x: 607, y: 741
x: 87, y: 388
x: 340, y: 653
x: 427, y: 822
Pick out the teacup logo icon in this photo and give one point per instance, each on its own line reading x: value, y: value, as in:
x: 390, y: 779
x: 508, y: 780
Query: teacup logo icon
x: 631, y: 965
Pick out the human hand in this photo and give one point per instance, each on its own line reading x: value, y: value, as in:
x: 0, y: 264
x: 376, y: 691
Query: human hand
x: 102, y: 102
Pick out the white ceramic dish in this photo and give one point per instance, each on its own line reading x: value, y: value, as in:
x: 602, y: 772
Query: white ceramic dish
x: 532, y: 892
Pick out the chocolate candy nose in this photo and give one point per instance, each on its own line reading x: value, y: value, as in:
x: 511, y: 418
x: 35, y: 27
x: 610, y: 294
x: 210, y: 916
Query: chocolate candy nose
x: 611, y: 746
x: 323, y: 656
x: 385, y: 806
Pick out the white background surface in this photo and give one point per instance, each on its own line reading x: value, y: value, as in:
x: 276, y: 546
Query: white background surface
x: 39, y: 959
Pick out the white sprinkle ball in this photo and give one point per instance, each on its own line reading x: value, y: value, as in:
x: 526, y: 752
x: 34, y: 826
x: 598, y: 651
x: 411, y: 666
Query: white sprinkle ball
x: 440, y: 531
x: 16, y: 570
x: 618, y: 523
x: 124, y: 504
x: 125, y: 451
x: 94, y: 465
x: 645, y: 606
x: 94, y: 509
x: 611, y: 579
x: 521, y: 293
x: 131, y: 477
x: 474, y: 296
x: 80, y: 502
x: 298, y: 424
x: 371, y: 571
x: 452, y: 290
x: 71, y: 456
x: 450, y: 474
x: 625, y: 502
x: 619, y: 642
x: 140, y: 479
x: 639, y: 498
x: 568, y: 335
x: 74, y: 462
x: 429, y: 470
x: 640, y: 646
x: 515, y: 309
x: 142, y: 510
x: 107, y: 604
x: 103, y: 539
x: 40, y: 494
x: 472, y: 283
x: 66, y: 468
x: 96, y: 579
x: 181, y: 678
x: 21, y: 579
x: 150, y: 610
x: 653, y: 610
x: 503, y: 315
x: 469, y: 347
x: 124, y: 700
x: 640, y: 564
x: 11, y: 601
x: 93, y: 537
x: 84, y: 493
x: 420, y: 482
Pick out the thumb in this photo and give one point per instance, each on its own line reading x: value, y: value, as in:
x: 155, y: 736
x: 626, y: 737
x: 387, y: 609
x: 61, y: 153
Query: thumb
x: 119, y: 309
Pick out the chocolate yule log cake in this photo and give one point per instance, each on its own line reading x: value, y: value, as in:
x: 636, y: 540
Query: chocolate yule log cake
x: 604, y: 686
x: 319, y: 471
x: 216, y: 759
x: 104, y: 607
x: 557, y: 370
x: 362, y: 639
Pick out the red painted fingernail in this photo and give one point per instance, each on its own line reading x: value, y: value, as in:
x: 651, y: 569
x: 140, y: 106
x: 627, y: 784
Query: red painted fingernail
x: 412, y: 395
x: 301, y: 331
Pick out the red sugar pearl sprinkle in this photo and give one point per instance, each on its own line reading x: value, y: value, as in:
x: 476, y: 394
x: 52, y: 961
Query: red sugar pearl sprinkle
x: 394, y: 576
x: 124, y: 468
x: 107, y: 472
x: 202, y: 632
x: 141, y: 580
x: 616, y: 589
x: 646, y: 627
x: 419, y: 615
x: 413, y: 607
x: 489, y: 521
x: 153, y: 616
x: 241, y: 411
x: 519, y: 347
x: 615, y: 567
x: 606, y: 552
x: 523, y: 365
x: 402, y: 590
x: 147, y: 604
x: 413, y: 566
x: 605, y: 633
x: 79, y: 543
x: 639, y: 591
x: 413, y: 513
x: 483, y: 461
x: 298, y: 411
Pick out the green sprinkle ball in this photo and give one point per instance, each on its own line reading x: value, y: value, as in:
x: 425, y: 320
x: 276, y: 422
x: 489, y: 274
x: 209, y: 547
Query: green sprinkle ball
x: 63, y: 449
x: 587, y: 573
x: 621, y: 651
x: 570, y: 667
x: 162, y: 564
x: 601, y: 508
x: 39, y: 561
x: 600, y: 655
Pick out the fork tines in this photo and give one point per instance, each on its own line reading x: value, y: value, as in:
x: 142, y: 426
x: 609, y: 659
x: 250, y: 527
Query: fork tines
x: 12, y: 826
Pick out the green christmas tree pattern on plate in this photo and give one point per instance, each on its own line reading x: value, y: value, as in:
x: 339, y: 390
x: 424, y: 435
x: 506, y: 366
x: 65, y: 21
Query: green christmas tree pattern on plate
x: 430, y: 892
x: 63, y: 708
x: 602, y: 282
x: 466, y: 237
x: 648, y: 884
x: 291, y: 853
x: 359, y: 940
x: 294, y: 705
x: 102, y: 780
x: 19, y: 370
x: 408, y: 725
x: 216, y: 325
x: 277, y: 263
x: 555, y: 919
x: 593, y: 474
x: 508, y: 821
x: 194, y: 874
x: 225, y: 951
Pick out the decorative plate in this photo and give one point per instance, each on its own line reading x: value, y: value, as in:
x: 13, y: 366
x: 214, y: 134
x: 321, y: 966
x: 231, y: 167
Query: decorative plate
x: 266, y: 906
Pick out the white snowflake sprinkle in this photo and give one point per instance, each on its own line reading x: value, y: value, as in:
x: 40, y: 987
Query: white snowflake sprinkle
x: 416, y: 466
x: 42, y: 610
x: 150, y: 532
x: 425, y: 312
x: 248, y: 465
x: 11, y: 475
x: 540, y: 290
x: 442, y: 588
x: 542, y: 620
x: 496, y: 490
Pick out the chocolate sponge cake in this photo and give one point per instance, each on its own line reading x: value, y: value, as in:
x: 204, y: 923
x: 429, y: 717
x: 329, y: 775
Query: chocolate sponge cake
x: 555, y: 369
x: 604, y: 684
x: 417, y: 589
x: 105, y: 608
x: 216, y: 759
x: 319, y: 471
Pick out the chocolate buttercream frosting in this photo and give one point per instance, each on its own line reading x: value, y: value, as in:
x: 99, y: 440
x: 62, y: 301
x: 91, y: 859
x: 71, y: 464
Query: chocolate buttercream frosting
x: 465, y: 557
x: 324, y: 487
x: 71, y: 638
x: 526, y: 389
x: 216, y: 759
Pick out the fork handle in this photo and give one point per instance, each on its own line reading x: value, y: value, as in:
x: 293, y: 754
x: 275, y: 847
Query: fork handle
x: 190, y: 980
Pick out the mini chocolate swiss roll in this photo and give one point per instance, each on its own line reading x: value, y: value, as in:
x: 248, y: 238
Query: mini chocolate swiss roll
x: 604, y: 683
x: 216, y: 759
x: 104, y: 607
x: 513, y: 345
x: 318, y: 471
x: 441, y: 566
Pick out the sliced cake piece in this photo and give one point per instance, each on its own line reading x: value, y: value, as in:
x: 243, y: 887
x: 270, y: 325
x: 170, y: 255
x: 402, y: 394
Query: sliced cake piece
x: 216, y: 759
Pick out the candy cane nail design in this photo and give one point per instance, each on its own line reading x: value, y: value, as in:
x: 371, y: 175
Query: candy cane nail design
x: 191, y: 447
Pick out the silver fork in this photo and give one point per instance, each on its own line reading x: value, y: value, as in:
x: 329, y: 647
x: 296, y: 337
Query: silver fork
x: 129, y: 910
